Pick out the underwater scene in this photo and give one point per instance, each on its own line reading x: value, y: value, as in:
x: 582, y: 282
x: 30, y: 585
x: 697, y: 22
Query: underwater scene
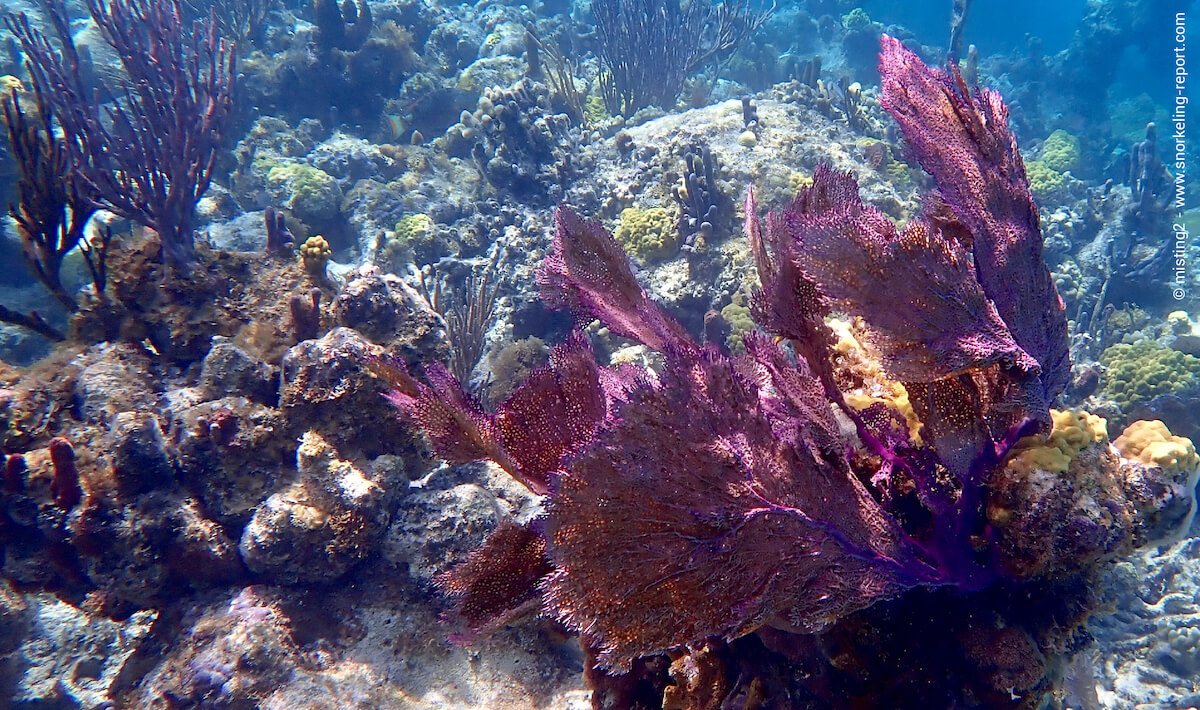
x: 608, y: 354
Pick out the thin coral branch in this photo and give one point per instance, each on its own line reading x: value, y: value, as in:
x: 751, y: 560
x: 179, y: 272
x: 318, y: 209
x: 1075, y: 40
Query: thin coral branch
x: 51, y: 213
x: 95, y: 255
x: 561, y: 73
x: 149, y: 153
x: 31, y: 321
x: 243, y: 20
x: 468, y: 313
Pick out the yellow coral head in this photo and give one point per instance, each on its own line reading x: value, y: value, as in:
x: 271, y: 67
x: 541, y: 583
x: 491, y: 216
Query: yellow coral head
x: 315, y: 253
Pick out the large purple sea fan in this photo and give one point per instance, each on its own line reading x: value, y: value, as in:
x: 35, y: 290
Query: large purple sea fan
x: 916, y: 287
x: 725, y: 494
x: 689, y: 518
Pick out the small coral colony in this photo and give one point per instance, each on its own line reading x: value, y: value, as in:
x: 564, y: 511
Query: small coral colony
x: 825, y: 460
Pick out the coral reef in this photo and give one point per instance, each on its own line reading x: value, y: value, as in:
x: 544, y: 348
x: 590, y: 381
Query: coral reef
x: 520, y: 146
x: 844, y: 461
x: 1145, y: 652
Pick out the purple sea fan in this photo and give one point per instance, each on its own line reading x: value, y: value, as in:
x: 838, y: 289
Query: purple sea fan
x: 719, y: 496
x: 916, y: 287
x: 552, y: 413
x: 587, y: 271
x: 689, y: 519
x: 710, y: 504
x: 962, y: 140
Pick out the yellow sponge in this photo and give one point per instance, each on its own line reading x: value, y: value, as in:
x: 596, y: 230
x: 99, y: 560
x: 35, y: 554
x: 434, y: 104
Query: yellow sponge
x: 1074, y: 429
x: 1152, y: 443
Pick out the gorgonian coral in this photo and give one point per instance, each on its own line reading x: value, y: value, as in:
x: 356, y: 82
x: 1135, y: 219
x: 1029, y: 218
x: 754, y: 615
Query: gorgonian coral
x: 725, y: 495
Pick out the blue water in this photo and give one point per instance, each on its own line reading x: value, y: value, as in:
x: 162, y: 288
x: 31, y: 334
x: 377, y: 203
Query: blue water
x: 992, y: 25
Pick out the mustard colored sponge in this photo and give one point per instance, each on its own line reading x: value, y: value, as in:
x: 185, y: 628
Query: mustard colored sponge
x: 862, y: 364
x: 1073, y: 430
x: 1153, y: 444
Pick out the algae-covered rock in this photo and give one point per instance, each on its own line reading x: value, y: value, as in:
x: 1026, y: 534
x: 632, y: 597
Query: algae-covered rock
x: 311, y: 194
x: 230, y: 370
x: 434, y: 530
x: 322, y: 525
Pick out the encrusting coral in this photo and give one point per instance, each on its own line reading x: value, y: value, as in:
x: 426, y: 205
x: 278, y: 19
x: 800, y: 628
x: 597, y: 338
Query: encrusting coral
x: 739, y: 512
x: 1044, y: 180
x: 865, y: 382
x: 1060, y: 151
x: 1072, y: 431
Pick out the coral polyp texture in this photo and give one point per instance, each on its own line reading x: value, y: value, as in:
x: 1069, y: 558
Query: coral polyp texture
x: 737, y: 512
